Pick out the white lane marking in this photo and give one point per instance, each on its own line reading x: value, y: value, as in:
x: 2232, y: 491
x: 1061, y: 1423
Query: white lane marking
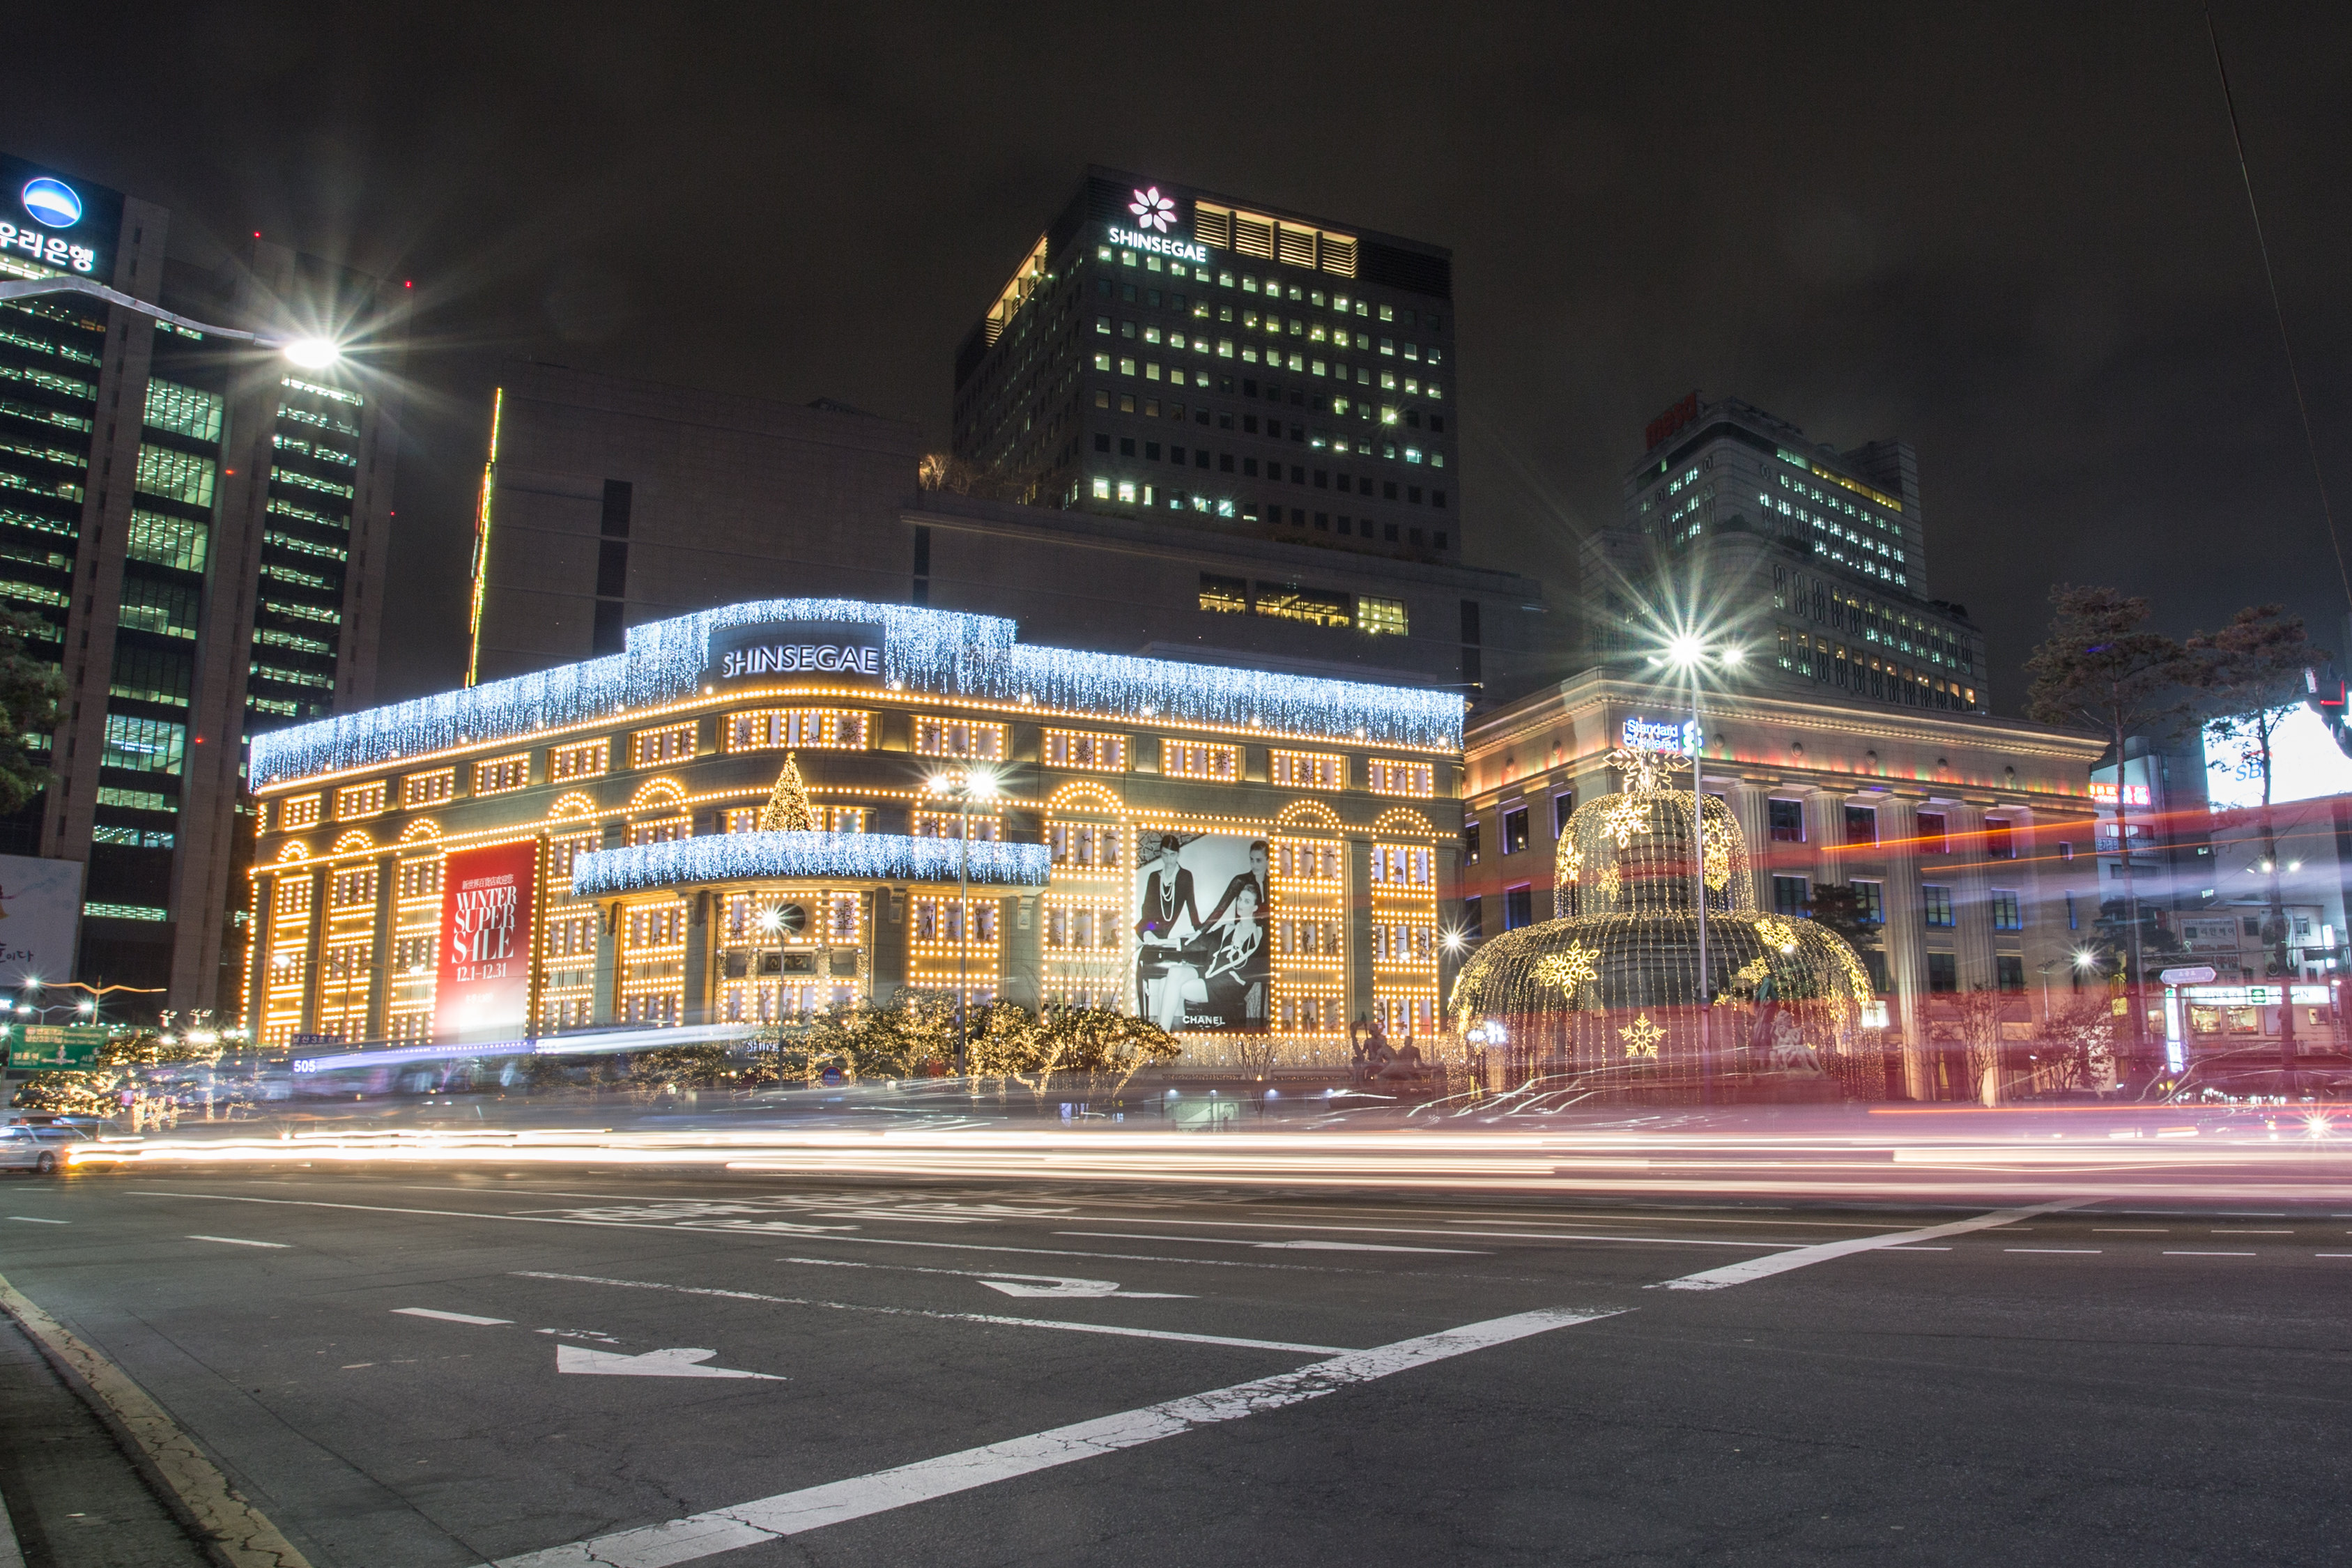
x: 28, y: 1219
x: 2068, y: 1251
x: 2130, y: 1230
x: 1424, y: 1230
x: 989, y: 1277
x: 2212, y: 1255
x: 942, y: 1316
x: 716, y: 1230
x: 813, y: 1508
x: 239, y: 1241
x: 1805, y: 1256
x: 1918, y: 1249
x: 1273, y: 1245
x: 652, y: 1364
x: 1053, y: 1285
x: 2241, y: 1230
x: 448, y: 1317
x: 2332, y: 1254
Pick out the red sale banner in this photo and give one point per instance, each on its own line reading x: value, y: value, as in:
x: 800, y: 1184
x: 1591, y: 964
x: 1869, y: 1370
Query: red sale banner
x: 484, y: 992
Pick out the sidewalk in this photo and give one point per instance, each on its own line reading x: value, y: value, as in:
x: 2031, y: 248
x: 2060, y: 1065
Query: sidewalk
x: 74, y: 1499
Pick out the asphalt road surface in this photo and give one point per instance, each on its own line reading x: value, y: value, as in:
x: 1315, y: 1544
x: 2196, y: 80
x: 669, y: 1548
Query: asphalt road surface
x: 414, y: 1368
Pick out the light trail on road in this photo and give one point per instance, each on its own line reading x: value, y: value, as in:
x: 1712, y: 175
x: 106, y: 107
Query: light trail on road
x: 2293, y: 1156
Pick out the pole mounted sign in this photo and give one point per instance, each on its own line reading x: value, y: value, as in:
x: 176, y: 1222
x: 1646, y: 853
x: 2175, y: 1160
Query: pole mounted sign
x: 2200, y: 975
x: 52, y: 1048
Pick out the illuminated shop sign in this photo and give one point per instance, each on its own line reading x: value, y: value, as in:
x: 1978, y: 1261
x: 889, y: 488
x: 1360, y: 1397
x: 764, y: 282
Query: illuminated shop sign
x: 1155, y: 216
x: 839, y: 650
x: 1652, y: 735
x: 2134, y: 794
x: 46, y: 219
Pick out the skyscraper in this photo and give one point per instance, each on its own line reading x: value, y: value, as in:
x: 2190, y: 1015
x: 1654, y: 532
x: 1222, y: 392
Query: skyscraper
x: 1814, y: 559
x: 199, y: 528
x: 1206, y: 362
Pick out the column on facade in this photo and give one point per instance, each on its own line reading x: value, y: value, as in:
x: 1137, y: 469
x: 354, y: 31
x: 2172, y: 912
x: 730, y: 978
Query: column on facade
x: 701, y: 916
x: 380, y: 970
x: 1903, y: 937
x: 608, y: 968
x: 1825, y: 834
x: 257, y: 952
x: 1360, y: 928
x: 314, y: 948
x: 1020, y: 968
x: 1747, y: 800
x: 2043, y: 941
x: 1971, y: 900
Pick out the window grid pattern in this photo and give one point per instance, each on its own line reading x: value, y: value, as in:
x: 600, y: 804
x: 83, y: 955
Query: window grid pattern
x: 1086, y: 750
x: 671, y: 743
x: 1415, y: 781
x: 1308, y: 770
x: 1199, y: 760
x: 800, y: 728
x: 961, y: 739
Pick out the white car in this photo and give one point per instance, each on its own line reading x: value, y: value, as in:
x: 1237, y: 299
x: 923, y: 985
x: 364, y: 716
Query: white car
x: 22, y: 1150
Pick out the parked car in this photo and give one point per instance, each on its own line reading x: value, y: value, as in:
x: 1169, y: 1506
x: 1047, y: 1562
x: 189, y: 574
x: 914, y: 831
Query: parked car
x: 24, y: 1148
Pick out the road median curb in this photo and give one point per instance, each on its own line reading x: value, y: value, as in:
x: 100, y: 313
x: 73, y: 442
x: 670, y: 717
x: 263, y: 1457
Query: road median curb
x: 235, y: 1531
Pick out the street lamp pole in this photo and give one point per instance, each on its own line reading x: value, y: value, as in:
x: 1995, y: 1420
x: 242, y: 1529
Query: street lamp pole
x: 1689, y: 654
x: 1698, y: 868
x: 311, y: 353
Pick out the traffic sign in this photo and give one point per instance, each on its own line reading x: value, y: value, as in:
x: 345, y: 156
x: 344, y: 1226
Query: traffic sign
x: 2202, y: 974
x: 53, y: 1047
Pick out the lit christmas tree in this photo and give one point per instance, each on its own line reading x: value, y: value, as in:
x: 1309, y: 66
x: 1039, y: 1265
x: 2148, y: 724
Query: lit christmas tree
x: 788, y: 809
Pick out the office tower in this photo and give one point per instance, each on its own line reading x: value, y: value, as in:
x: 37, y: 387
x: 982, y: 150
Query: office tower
x: 1204, y: 362
x: 1814, y: 559
x: 198, y: 526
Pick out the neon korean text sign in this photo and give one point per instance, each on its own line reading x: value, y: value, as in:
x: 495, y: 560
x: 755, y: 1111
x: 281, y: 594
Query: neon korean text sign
x: 486, y: 899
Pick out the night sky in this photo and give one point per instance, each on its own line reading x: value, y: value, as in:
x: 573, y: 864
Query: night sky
x: 2015, y: 237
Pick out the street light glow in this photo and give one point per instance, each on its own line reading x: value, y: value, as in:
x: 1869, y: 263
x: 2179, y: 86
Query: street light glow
x: 311, y: 354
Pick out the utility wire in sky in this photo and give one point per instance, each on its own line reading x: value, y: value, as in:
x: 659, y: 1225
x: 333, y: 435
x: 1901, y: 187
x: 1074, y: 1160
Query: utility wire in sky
x: 2229, y: 102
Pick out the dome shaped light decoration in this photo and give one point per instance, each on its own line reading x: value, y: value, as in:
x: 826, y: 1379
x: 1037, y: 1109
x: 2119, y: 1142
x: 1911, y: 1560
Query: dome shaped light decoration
x: 1615, y: 984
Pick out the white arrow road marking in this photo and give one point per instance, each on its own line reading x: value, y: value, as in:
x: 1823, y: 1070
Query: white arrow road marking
x: 28, y: 1219
x: 1055, y: 1285
x: 240, y: 1241
x: 944, y: 1317
x: 448, y: 1317
x: 1275, y: 1246
x: 652, y: 1364
x: 813, y: 1508
x: 1804, y: 1256
x: 989, y: 1277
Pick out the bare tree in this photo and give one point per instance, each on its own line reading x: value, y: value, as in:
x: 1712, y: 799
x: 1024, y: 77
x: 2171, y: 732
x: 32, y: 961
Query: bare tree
x: 2099, y: 667
x: 2248, y: 677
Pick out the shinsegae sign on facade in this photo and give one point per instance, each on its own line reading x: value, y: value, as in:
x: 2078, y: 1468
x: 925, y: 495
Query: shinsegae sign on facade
x: 843, y: 650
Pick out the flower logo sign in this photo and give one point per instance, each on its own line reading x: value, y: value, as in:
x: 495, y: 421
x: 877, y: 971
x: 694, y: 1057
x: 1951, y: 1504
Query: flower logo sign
x: 1152, y: 210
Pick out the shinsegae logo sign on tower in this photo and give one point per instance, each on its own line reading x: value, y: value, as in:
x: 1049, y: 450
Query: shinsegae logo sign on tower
x: 1155, y: 218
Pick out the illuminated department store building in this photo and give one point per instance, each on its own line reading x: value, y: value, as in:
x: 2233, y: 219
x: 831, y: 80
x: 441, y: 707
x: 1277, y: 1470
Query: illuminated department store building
x: 629, y: 791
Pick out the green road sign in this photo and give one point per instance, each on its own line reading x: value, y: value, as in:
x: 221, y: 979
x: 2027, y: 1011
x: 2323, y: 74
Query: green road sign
x: 53, y: 1047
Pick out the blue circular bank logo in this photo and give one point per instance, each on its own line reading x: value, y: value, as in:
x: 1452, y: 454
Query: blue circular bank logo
x: 53, y: 201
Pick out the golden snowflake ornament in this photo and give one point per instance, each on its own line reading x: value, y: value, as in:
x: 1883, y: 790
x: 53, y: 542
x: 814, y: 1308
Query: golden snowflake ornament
x: 1646, y: 772
x: 1570, y: 970
x: 1627, y: 818
x: 1641, y: 1037
x: 1777, y: 933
